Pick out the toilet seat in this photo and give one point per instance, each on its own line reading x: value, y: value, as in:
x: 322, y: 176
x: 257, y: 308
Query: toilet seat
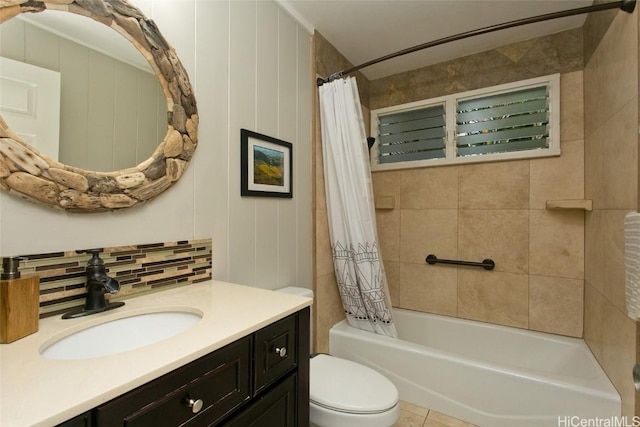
x: 345, y: 386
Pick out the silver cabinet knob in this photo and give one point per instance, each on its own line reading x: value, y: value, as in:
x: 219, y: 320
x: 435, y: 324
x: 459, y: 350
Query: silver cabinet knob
x: 195, y: 405
x: 281, y: 351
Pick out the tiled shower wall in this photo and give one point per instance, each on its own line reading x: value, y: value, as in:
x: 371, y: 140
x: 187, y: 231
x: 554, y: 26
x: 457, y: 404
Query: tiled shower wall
x: 611, y: 76
x: 492, y: 210
x: 140, y: 269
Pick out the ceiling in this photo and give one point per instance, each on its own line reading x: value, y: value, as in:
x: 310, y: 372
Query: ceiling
x: 363, y: 30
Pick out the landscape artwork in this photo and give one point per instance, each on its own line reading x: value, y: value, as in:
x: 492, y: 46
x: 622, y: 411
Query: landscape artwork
x: 266, y: 165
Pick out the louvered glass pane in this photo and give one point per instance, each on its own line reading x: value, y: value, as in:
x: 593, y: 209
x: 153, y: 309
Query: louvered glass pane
x: 538, y: 92
x: 506, y: 122
x: 501, y: 148
x: 412, y: 135
x: 408, y: 157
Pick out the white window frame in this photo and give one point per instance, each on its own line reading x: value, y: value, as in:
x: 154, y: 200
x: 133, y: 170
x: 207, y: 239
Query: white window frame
x: 450, y: 102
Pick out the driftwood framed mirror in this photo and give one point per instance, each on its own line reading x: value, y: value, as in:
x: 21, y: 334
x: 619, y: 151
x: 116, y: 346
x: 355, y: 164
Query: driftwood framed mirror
x: 27, y: 172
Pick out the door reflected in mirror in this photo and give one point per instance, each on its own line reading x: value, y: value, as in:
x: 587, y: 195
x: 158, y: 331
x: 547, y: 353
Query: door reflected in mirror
x: 112, y: 111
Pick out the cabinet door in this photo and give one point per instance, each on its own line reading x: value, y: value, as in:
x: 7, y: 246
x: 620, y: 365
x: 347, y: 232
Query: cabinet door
x: 83, y: 420
x: 276, y: 352
x: 276, y: 408
x: 221, y: 381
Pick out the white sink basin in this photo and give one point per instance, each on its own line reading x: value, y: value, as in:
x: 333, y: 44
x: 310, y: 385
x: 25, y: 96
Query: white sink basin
x: 120, y: 335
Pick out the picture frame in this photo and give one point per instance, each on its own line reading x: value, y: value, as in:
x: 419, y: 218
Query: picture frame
x: 266, y: 166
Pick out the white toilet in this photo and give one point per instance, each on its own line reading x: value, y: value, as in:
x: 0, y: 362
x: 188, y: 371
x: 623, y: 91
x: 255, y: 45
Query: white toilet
x: 343, y: 393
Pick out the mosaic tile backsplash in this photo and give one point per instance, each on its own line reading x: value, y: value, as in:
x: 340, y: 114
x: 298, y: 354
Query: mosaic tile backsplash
x: 139, y: 269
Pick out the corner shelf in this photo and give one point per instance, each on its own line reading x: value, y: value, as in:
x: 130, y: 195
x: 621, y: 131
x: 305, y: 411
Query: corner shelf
x: 582, y: 204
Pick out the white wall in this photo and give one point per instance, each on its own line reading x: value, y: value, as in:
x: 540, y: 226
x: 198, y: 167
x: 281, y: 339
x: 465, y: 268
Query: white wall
x: 250, y: 65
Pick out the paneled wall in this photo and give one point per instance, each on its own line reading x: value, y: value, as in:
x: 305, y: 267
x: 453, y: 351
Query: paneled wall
x: 266, y: 58
x: 250, y: 65
x: 611, y: 180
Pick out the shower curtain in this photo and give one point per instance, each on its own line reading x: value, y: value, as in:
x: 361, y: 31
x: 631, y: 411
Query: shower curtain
x: 352, y: 223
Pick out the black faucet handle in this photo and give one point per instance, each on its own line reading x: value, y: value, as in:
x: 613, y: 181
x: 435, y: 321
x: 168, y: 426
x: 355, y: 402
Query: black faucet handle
x: 95, y: 260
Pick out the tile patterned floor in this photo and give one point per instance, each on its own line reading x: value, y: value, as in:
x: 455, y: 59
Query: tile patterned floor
x: 415, y: 416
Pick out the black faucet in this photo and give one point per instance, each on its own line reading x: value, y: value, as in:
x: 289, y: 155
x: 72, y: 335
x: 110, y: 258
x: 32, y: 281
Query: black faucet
x: 97, y: 284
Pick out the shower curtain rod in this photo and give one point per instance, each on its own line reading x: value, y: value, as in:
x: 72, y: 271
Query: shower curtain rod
x: 625, y: 5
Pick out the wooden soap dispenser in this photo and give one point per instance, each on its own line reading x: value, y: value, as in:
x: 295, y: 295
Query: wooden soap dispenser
x: 19, y: 302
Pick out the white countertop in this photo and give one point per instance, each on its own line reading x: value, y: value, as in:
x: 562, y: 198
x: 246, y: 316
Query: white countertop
x: 36, y: 391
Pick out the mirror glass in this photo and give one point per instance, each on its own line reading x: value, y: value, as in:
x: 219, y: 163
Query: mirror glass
x: 99, y: 105
x: 108, y: 179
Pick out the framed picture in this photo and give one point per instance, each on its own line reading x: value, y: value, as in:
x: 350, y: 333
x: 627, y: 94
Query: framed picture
x: 266, y: 166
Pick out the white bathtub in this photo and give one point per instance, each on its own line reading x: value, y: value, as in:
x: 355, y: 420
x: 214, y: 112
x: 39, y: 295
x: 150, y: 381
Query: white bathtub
x: 485, y: 374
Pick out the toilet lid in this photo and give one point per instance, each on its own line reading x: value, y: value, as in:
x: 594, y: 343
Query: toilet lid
x: 346, y: 386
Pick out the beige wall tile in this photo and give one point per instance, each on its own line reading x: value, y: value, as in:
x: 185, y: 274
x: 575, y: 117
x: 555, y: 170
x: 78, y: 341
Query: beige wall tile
x: 595, y: 148
x: 427, y: 288
x: 612, y: 58
x: 619, y: 353
x: 324, y: 260
x: 318, y: 164
x: 611, y: 153
x: 556, y: 305
x: 558, y: 178
x: 604, y: 254
x: 430, y: 188
x: 499, y: 185
x: 593, y: 250
x: 611, y: 180
x: 556, y: 53
x: 501, y: 235
x: 388, y: 227
x: 328, y: 310
x: 387, y: 183
x: 571, y: 106
x: 556, y: 245
x: 621, y: 159
x: 392, y: 270
x: 494, y: 297
x: 593, y: 320
x: 424, y: 232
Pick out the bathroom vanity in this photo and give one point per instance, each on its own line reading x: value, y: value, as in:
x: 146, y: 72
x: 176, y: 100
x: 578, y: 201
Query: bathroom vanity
x: 245, y: 363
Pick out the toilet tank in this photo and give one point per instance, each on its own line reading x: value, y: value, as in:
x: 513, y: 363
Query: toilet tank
x: 303, y: 292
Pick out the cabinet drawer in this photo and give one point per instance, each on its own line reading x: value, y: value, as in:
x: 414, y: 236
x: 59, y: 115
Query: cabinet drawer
x: 276, y: 351
x: 220, y: 380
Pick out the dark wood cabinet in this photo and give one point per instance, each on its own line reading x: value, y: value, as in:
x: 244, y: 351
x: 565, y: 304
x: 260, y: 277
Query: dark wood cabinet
x: 261, y: 380
x: 201, y: 393
x: 276, y: 352
x: 277, y: 408
x: 83, y: 420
